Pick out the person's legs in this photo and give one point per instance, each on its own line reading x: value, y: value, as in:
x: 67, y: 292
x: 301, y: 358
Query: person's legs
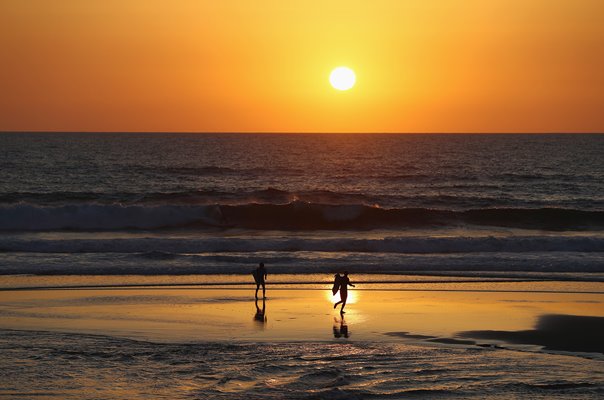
x: 343, y: 301
x: 339, y: 302
x: 257, y: 287
x: 263, y: 291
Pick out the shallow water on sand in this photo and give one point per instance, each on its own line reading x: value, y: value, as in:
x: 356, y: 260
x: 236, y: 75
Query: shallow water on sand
x: 191, y: 313
x: 58, y: 365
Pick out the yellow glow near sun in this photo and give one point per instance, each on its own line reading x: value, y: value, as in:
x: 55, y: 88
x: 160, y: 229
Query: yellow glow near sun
x: 342, y: 78
x: 352, y: 297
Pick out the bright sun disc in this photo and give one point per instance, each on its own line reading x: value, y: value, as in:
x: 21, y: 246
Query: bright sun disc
x: 342, y: 78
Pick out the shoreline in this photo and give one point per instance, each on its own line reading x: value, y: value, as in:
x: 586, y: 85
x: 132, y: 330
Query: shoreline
x: 425, y: 315
x: 572, y: 283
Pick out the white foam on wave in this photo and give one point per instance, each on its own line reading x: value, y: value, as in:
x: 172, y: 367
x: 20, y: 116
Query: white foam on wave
x: 419, y: 244
x: 287, y: 262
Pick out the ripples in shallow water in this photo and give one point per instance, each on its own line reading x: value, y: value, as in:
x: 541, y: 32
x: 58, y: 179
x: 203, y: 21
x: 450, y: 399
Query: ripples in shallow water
x: 55, y: 365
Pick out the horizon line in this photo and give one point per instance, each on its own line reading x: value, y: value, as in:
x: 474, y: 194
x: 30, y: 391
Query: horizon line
x: 312, y: 132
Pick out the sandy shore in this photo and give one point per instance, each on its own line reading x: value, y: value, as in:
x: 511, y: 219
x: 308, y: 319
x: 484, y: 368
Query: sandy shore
x: 190, y: 314
x: 440, y: 340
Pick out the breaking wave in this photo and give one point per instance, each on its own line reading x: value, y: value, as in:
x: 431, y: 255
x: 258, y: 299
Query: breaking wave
x: 295, y: 215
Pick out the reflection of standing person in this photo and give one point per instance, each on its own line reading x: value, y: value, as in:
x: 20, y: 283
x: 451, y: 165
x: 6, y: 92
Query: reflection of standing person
x: 260, y: 277
x: 344, y: 283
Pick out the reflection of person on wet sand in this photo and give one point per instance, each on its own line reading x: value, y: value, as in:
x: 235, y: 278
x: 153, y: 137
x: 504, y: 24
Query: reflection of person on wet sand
x: 260, y: 314
x: 259, y: 275
x: 344, y: 283
x: 340, y: 328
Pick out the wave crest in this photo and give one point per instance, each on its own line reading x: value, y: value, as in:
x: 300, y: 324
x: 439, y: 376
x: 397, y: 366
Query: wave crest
x: 295, y: 215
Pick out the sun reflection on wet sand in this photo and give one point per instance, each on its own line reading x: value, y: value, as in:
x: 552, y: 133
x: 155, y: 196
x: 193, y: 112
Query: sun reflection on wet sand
x: 177, y: 314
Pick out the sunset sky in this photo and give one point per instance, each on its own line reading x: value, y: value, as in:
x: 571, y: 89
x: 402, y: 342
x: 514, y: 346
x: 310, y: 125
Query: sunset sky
x: 256, y: 66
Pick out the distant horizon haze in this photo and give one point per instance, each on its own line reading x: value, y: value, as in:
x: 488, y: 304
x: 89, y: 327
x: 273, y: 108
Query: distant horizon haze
x: 302, y: 133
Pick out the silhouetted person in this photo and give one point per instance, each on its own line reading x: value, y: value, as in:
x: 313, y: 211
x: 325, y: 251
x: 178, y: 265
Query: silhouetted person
x: 260, y: 316
x: 344, y: 283
x: 260, y: 278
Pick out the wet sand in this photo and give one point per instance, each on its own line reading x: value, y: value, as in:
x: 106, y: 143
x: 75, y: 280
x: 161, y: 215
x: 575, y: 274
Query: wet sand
x: 558, y: 321
x: 554, y: 332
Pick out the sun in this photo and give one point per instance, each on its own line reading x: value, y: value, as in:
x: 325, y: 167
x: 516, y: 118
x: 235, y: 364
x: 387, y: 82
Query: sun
x: 342, y: 78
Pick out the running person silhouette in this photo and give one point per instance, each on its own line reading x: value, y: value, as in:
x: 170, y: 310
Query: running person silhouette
x: 344, y: 283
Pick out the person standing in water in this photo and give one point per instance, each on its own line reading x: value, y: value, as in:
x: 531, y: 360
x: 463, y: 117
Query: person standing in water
x: 344, y: 283
x: 260, y: 278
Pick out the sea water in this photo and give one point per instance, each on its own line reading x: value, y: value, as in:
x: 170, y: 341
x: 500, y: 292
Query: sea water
x: 165, y: 204
x: 69, y: 366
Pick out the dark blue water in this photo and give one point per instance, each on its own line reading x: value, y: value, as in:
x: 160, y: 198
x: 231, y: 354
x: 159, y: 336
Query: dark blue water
x: 206, y: 203
x: 449, y: 172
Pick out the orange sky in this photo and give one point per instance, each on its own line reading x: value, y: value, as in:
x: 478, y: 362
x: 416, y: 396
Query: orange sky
x: 228, y: 65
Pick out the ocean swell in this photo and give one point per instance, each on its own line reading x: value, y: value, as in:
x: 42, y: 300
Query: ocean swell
x: 296, y: 215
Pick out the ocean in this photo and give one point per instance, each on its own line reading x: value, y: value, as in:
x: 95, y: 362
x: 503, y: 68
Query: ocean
x: 181, y: 204
x: 125, y: 265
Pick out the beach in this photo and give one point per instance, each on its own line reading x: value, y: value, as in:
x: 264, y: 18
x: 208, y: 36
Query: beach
x: 395, y: 339
x: 225, y: 308
x: 125, y: 268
